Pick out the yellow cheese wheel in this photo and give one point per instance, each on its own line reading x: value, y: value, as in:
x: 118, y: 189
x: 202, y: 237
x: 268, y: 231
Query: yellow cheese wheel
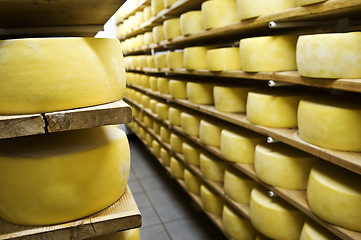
x: 165, y: 157
x: 176, y: 143
x: 192, y: 182
x: 308, y: 2
x: 148, y: 122
x: 174, y: 116
x: 141, y: 133
x: 142, y: 62
x: 331, y: 122
x: 156, y: 127
x: 138, y: 97
x: 175, y: 60
x: 148, y: 140
x: 164, y: 134
x: 314, y: 231
x: 191, y: 22
x: 171, y: 28
x: 144, y: 80
x: 268, y: 54
x: 210, y: 133
x: 190, y: 123
x: 331, y: 55
x: 153, y: 83
x: 334, y: 194
x: 163, y: 85
x: 147, y: 13
x: 218, y: 13
x: 230, y: 99
x: 150, y: 62
x: 176, y: 168
x: 162, y: 111
x: 255, y: 8
x: 273, y: 108
x: 148, y: 38
x: 238, y: 186
x: 139, y: 41
x: 274, y: 217
x: 153, y: 105
x: 283, y: 166
x: 211, y: 201
x: 237, y: 227
x: 158, y: 34
x: 178, y: 89
x: 190, y: 154
x: 224, y: 59
x: 145, y: 101
x: 156, y: 148
x: 132, y: 234
x: 59, y: 177
x: 200, y: 93
x: 156, y: 6
x: 212, y: 169
x: 195, y: 58
x: 168, y: 3
x: 37, y: 82
x: 160, y: 61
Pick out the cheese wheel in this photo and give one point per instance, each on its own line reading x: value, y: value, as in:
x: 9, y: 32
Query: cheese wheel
x: 212, y: 169
x: 238, y: 186
x: 36, y: 82
x: 142, y: 62
x: 331, y: 123
x: 175, y: 60
x: 153, y: 83
x: 200, y: 93
x: 283, y: 166
x: 163, y: 85
x: 162, y: 111
x: 224, y: 59
x: 156, y: 127
x: 190, y: 154
x: 148, y: 122
x: 168, y: 3
x: 150, y: 62
x: 158, y: 34
x: 171, y: 28
x: 165, y: 157
x: 273, y: 109
x: 160, y: 61
x: 191, y: 23
x: 195, y: 58
x: 164, y: 134
x: 176, y: 168
x: 268, y: 54
x: 211, y: 202
x: 230, y: 99
x: 308, y: 2
x: 251, y: 9
x: 190, y: 123
x: 144, y: 80
x: 145, y: 101
x: 132, y: 234
x: 141, y: 133
x: 155, y: 148
x: 331, y: 55
x: 139, y: 41
x: 334, y: 194
x: 138, y: 97
x: 210, y: 133
x: 176, y: 143
x: 156, y: 6
x: 237, y: 227
x: 314, y: 231
x: 153, y: 105
x: 219, y: 13
x: 192, y: 182
x: 178, y: 89
x: 174, y: 116
x: 59, y: 177
x: 148, y: 38
x: 147, y: 13
x: 274, y: 217
x: 148, y: 140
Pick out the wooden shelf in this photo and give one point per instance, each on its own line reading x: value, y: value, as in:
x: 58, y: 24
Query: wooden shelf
x: 105, y: 114
x: 122, y: 215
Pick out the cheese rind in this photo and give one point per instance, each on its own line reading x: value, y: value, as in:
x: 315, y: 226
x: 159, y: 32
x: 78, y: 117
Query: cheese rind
x: 238, y: 186
x: 165, y: 157
x: 219, y: 13
x: 192, y: 182
x: 168, y: 3
x: 224, y: 59
x: 163, y: 85
x: 160, y: 61
x: 178, y: 89
x: 175, y: 60
x: 195, y: 58
x: 153, y: 83
x: 162, y: 111
x: 211, y: 201
x: 164, y: 134
x: 176, y: 168
x: 200, y: 93
x: 190, y: 123
x: 174, y: 116
x: 171, y: 28
x: 230, y: 99
x: 210, y: 133
x: 176, y: 143
x: 190, y: 154
x: 191, y: 22
x: 158, y: 34
x: 156, y: 148
x: 251, y: 9
x: 156, y: 6
x: 314, y: 231
x: 212, y: 169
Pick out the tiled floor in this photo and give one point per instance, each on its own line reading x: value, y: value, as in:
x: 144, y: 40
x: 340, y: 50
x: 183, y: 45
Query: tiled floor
x: 167, y: 212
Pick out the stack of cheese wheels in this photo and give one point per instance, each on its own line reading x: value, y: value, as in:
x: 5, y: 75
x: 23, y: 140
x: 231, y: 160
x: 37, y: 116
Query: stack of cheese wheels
x: 165, y: 157
x: 156, y: 148
x: 313, y: 231
x: 283, y: 166
x: 153, y: 83
x: 195, y: 58
x: 156, y: 6
x: 162, y: 111
x: 178, y: 89
x: 163, y: 85
x: 238, y: 186
x: 176, y: 143
x: 276, y: 109
x: 190, y: 154
x: 218, y: 13
x: 251, y: 9
x: 59, y: 177
x: 150, y: 62
x: 331, y: 55
x: 190, y: 123
x: 211, y: 201
x: 212, y: 169
x: 132, y: 234
x: 268, y: 53
x: 192, y: 182
x: 158, y: 34
x: 191, y: 23
x: 236, y: 226
x: 164, y: 134
x: 176, y: 168
x: 95, y: 76
x: 168, y: 3
x: 174, y: 116
x: 160, y: 61
x: 156, y: 127
x: 148, y: 38
x: 175, y: 60
x: 239, y: 146
x: 331, y: 122
x: 223, y: 59
x: 200, y: 93
x: 230, y: 98
x: 210, y: 132
x: 274, y: 217
x: 171, y: 28
x: 330, y: 189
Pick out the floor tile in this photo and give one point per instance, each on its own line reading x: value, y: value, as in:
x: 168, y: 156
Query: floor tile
x: 141, y: 199
x: 149, y: 217
x: 161, y: 196
x: 172, y: 211
x: 156, y: 232
x: 135, y: 186
x: 152, y: 183
x: 187, y: 229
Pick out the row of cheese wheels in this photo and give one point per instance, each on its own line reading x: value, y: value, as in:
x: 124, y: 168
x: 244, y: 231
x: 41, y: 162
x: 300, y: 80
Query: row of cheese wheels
x: 328, y: 121
x: 275, y: 164
x: 213, y: 14
x: 272, y: 217
x: 328, y: 55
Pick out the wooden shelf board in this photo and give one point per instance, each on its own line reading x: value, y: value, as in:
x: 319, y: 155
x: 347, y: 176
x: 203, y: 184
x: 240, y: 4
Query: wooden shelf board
x: 106, y: 114
x: 122, y: 215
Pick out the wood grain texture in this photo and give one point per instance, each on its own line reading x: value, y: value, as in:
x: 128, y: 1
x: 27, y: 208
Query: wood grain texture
x: 21, y: 125
x: 122, y: 215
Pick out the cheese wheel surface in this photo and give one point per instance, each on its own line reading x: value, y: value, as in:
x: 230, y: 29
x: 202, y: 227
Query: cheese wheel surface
x: 160, y: 61
x: 230, y: 99
x: 147, y: 13
x: 150, y: 62
x: 148, y: 140
x: 156, y: 148
x: 238, y: 186
x: 156, y: 127
x: 195, y: 58
x: 200, y: 93
x: 211, y: 201
x: 178, y: 89
x: 176, y: 143
x: 162, y: 111
x: 192, y: 182
x: 175, y: 60
x: 250, y: 9
x: 224, y: 59
x: 37, y: 83
x: 210, y: 133
x: 174, y: 116
x: 190, y: 154
x: 163, y: 85
x: 190, y: 123
x: 153, y: 105
x: 164, y: 134
x: 191, y: 22
x: 148, y: 38
x: 219, y: 13
x: 313, y: 231
x: 59, y: 177
x: 176, y: 168
x: 168, y: 3
x: 212, y: 169
x: 148, y: 122
x: 144, y: 80
x: 171, y: 28
x: 308, y: 2
x: 158, y: 34
x: 153, y: 83
x: 156, y: 6
x: 165, y: 157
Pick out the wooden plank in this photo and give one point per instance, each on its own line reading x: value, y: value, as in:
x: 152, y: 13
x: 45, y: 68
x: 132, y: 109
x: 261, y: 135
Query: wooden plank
x: 21, y: 125
x: 122, y: 215
x: 105, y: 114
